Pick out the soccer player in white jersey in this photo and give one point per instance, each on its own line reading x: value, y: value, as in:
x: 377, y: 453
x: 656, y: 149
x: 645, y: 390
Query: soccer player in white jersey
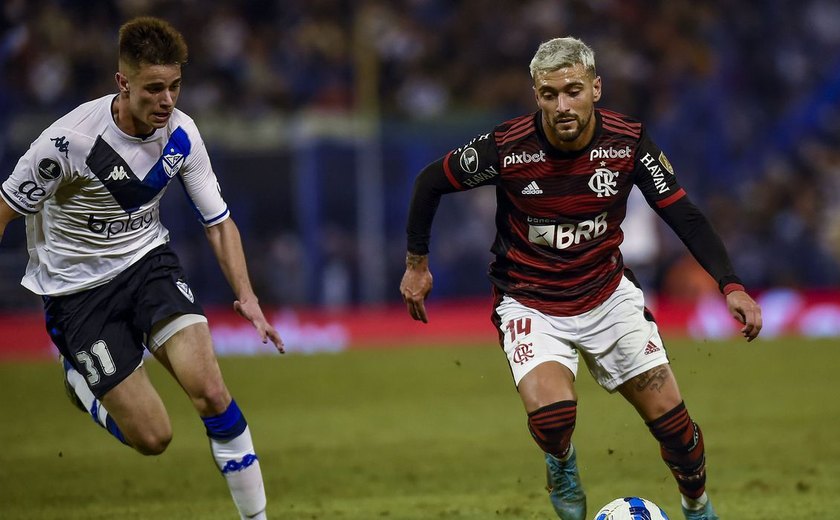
x: 562, y: 177
x: 90, y: 188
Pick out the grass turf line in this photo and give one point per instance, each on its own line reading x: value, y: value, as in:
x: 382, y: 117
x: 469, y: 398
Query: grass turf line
x: 432, y: 433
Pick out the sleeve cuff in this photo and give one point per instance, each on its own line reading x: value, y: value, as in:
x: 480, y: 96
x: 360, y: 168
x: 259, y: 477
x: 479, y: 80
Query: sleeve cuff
x: 732, y: 287
x: 730, y: 283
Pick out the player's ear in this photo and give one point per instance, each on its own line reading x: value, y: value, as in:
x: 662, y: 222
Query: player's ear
x: 122, y: 82
x: 596, y: 88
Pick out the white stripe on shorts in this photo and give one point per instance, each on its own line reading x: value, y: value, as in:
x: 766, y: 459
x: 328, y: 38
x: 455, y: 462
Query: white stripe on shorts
x: 165, y: 329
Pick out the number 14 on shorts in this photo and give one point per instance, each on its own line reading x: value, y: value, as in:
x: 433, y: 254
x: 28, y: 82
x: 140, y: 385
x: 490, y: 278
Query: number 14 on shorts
x: 518, y: 327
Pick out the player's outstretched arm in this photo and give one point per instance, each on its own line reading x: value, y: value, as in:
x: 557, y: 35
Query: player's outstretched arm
x: 227, y: 245
x: 695, y: 230
x: 747, y: 311
x: 416, y: 285
x: 7, y: 214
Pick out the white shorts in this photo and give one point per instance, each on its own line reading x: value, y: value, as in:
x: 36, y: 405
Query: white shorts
x: 615, y: 339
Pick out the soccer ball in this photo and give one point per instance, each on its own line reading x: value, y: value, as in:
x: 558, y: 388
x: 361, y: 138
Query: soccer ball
x: 631, y: 508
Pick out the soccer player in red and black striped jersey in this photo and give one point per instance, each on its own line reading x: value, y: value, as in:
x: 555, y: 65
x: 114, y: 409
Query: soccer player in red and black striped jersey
x: 562, y: 177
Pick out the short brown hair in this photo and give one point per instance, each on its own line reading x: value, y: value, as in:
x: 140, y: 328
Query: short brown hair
x: 151, y: 41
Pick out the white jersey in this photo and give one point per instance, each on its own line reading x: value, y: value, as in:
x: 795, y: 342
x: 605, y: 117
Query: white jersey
x: 91, y: 195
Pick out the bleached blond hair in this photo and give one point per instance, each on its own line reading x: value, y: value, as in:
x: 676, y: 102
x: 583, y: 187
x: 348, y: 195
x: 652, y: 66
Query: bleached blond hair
x: 562, y: 52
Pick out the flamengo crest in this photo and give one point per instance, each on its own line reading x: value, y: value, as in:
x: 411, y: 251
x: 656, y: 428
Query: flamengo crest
x: 603, y: 182
x: 523, y: 353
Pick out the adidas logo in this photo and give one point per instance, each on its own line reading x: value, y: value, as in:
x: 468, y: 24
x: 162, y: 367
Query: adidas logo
x: 532, y: 189
x: 651, y: 348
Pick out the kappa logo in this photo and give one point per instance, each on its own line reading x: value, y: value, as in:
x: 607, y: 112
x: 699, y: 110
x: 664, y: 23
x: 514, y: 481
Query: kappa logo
x: 603, y: 182
x: 532, y: 189
x: 62, y: 144
x: 172, y: 162
x: 651, y: 348
x: 185, y: 290
x: 117, y: 174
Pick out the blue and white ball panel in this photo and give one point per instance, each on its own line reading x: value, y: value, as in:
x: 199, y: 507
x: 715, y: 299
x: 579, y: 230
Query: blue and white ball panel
x: 631, y: 508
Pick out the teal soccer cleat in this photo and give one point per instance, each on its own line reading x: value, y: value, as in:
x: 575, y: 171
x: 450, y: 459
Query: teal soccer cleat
x: 707, y: 513
x: 564, y: 488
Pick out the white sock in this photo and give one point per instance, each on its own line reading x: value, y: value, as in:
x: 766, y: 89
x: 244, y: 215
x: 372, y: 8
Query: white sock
x: 694, y: 504
x: 91, y: 403
x: 568, y: 455
x: 239, y: 465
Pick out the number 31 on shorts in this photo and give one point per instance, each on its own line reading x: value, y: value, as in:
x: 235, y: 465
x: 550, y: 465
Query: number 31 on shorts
x: 106, y: 363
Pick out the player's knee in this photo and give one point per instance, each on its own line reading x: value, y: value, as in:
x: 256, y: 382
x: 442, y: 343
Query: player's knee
x: 152, y: 441
x: 153, y: 446
x: 552, y: 426
x: 212, y: 399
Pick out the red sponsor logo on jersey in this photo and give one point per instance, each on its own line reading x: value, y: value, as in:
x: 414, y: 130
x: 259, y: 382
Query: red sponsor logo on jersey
x: 651, y: 348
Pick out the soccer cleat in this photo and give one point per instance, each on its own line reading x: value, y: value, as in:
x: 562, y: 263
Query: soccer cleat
x: 68, y: 388
x: 707, y: 513
x: 564, y: 488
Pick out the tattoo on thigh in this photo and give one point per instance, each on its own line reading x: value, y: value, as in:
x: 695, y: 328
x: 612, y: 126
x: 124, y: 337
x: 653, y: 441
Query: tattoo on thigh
x: 653, y: 379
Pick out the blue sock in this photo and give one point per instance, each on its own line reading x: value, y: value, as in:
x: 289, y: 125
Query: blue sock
x: 227, y: 425
x: 114, y: 430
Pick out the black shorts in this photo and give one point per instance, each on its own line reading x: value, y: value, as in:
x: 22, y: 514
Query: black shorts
x: 102, y: 331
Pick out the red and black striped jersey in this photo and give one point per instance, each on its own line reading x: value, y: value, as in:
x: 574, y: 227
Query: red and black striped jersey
x: 559, y: 214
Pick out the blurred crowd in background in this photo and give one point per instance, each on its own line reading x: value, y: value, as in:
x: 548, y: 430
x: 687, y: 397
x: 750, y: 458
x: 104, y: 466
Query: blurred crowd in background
x: 744, y: 97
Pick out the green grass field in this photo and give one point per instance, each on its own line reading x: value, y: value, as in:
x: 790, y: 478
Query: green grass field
x: 432, y: 433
